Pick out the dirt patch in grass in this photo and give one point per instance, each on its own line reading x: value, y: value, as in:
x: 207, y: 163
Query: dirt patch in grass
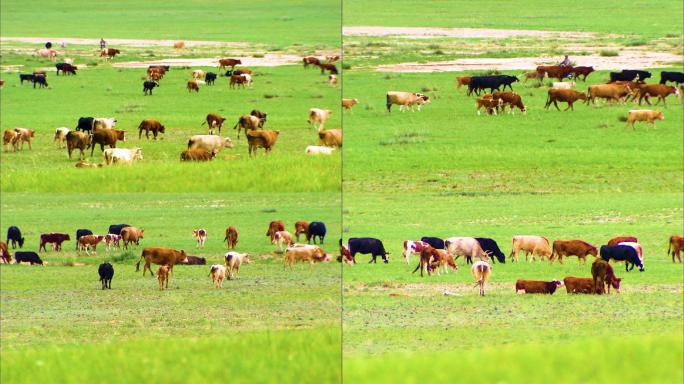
x: 126, y: 42
x: 269, y: 60
x: 625, y: 59
x: 428, y: 33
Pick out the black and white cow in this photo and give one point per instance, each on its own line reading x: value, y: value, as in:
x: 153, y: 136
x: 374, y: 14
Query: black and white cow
x: 624, y: 253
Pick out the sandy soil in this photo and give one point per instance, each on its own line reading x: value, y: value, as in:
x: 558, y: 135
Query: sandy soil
x: 626, y: 59
x: 129, y: 42
x: 426, y: 33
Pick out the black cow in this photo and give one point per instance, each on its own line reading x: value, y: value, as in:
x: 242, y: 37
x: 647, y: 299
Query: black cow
x: 622, y: 253
x: 40, y: 80
x: 27, y: 257
x: 492, y: 248
x: 209, y: 78
x: 677, y: 77
x: 85, y: 124
x: 106, y: 272
x: 629, y: 75
x: 194, y: 260
x: 115, y: 229
x: 65, y: 68
x: 479, y: 83
x: 25, y: 77
x: 148, y: 86
x: 80, y: 233
x: 14, y: 235
x: 435, y: 242
x: 366, y: 245
x: 316, y: 229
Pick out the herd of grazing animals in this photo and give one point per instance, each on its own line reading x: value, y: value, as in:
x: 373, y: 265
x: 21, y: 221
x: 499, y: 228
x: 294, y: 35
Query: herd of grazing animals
x: 121, y: 236
x: 436, y: 254
x: 91, y: 131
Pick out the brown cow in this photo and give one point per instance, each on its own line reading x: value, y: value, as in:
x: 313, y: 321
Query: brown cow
x: 109, y: 52
x: 661, y: 91
x: 261, y: 139
x: 229, y: 63
x: 106, y: 136
x: 193, y: 85
x: 148, y: 125
x: 676, y: 245
x: 89, y: 241
x: 162, y: 276
x: 646, y: 115
x: 564, y: 95
x: 273, y: 227
x: 10, y: 136
x: 577, y: 248
x: 197, y: 154
x: 581, y: 71
x: 533, y: 75
x: 214, y: 121
x: 5, y: 255
x: 534, y: 286
x: 622, y: 239
x: 603, y: 275
x: 132, y: 235
x: 348, y: 104
x: 231, y: 237
x: 462, y: 80
x: 248, y: 123
x: 160, y: 256
x: 301, y: 227
x: 77, y: 140
x: 25, y: 136
x: 330, y: 137
x: 328, y: 67
x: 310, y: 60
x: 510, y: 99
x: 307, y: 253
x: 610, y: 92
x: 488, y: 103
x: 579, y: 284
x: 559, y: 72
x: 238, y: 80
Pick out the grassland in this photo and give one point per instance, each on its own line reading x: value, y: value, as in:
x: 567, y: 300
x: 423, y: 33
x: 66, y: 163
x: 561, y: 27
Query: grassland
x: 644, y: 18
x: 446, y: 172
x: 284, y: 23
x: 285, y: 93
x: 271, y: 325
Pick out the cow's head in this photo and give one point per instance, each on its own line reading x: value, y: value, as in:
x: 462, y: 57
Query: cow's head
x: 21, y: 242
x: 593, y: 251
x: 183, y: 256
x: 227, y: 142
x: 245, y: 258
x: 137, y: 155
x: 162, y: 129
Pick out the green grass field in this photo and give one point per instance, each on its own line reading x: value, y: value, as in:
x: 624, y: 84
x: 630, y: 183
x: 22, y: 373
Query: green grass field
x: 447, y: 172
x: 271, y: 325
x: 283, y: 23
x: 285, y: 93
x: 655, y: 18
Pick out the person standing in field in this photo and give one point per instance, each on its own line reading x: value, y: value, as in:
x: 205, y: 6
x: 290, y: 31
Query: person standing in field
x: 103, y: 44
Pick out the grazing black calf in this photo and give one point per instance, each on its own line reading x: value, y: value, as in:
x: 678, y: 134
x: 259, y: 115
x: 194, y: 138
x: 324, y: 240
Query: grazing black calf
x: 148, y: 86
x: 85, y: 124
x: 115, y: 229
x: 316, y: 229
x: 40, y: 80
x: 492, y: 248
x: 366, y: 245
x: 677, y: 77
x: 80, y: 233
x: 209, y: 78
x: 25, y: 77
x: 435, y: 242
x: 622, y: 253
x: 27, y: 257
x: 14, y: 235
x: 106, y: 272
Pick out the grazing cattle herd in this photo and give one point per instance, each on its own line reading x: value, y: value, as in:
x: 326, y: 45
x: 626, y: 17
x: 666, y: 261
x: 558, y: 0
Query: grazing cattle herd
x: 103, y: 132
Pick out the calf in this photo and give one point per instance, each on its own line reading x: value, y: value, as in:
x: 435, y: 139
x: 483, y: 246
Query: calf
x: 283, y: 238
x: 646, y: 115
x: 65, y: 68
x: 237, y: 81
x: 510, y: 99
x: 194, y: 260
x: 411, y: 247
x: 217, y: 274
x: 53, y: 238
x: 481, y: 271
x: 201, y: 236
x: 622, y: 253
x: 122, y: 155
x: 210, y: 143
x: 5, y: 255
x: 577, y: 248
x: 25, y: 135
x: 348, y: 104
x: 328, y: 67
x: 12, y: 137
x: 41, y: 81
x: 106, y: 272
x: 330, y: 137
x: 214, y: 121
x: 317, y: 117
x: 14, y: 237
x: 27, y: 257
x: 163, y: 277
x: 533, y: 286
x: 112, y: 241
x: 405, y: 100
x: 464, y: 80
x: 197, y: 154
x: 60, y: 136
x: 676, y: 245
x: 233, y: 261
x: 231, y: 237
x: 301, y: 227
x: 579, y: 284
x: 318, y: 150
x: 604, y: 276
x: 150, y: 125
x: 148, y: 86
x: 489, y: 104
x: 192, y: 85
x: 77, y: 140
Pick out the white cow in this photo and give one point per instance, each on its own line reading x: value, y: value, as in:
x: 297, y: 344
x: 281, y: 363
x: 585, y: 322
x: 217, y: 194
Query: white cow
x: 563, y: 85
x: 122, y: 155
x: 317, y: 117
x: 318, y: 150
x: 211, y: 143
x: 406, y: 100
x: 217, y: 274
x: 233, y: 261
x: 467, y: 247
x: 104, y: 122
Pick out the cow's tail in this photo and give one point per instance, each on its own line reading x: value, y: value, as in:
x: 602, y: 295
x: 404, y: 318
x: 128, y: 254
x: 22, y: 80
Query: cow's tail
x: 203, y: 123
x: 669, y: 246
x: 137, y: 265
x: 388, y: 105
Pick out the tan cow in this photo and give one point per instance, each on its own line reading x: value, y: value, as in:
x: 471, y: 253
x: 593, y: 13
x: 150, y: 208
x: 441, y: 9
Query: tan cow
x: 535, y: 245
x: 231, y: 237
x: 25, y: 136
x: 675, y: 247
x: 261, y: 139
x: 348, y: 104
x: 330, y: 137
x: 468, y: 247
x: 481, y: 271
x: 610, y: 92
x: 163, y: 276
x: 646, y: 115
x: 77, y: 140
x: 217, y: 274
x: 248, y: 123
x: 197, y: 154
x: 405, y: 100
x: 233, y: 261
x: 132, y: 235
x: 210, y: 143
x: 301, y: 227
x: 193, y: 85
x: 10, y: 136
x: 160, y: 256
x: 318, y: 116
x: 283, y: 238
x: 310, y: 254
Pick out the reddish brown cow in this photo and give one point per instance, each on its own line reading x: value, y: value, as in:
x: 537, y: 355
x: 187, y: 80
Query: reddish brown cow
x: 579, y: 284
x: 301, y: 227
x: 5, y: 255
x: 273, y: 227
x: 109, y: 52
x: 89, y: 241
x: 197, y: 154
x: 622, y: 239
x: 569, y: 96
x: 510, y: 99
x: 577, y: 248
x: 132, y: 235
x: 229, y: 63
x: 534, y: 286
x: 581, y: 71
x: 328, y: 67
x: 148, y: 125
x: 559, y: 72
x: 56, y: 239
x: 160, y: 256
x: 192, y: 86
x: 231, y: 237
x: 310, y: 60
x: 106, y: 136
x: 237, y: 80
x: 261, y: 139
x: 462, y: 80
x: 603, y: 275
x: 661, y: 91
x: 214, y: 121
x: 676, y: 246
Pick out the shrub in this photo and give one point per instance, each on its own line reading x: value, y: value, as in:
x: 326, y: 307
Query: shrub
x: 608, y: 53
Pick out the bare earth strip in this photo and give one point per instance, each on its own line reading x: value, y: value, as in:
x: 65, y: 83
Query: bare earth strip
x: 269, y: 60
x: 128, y: 42
x: 626, y: 59
x: 427, y: 32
